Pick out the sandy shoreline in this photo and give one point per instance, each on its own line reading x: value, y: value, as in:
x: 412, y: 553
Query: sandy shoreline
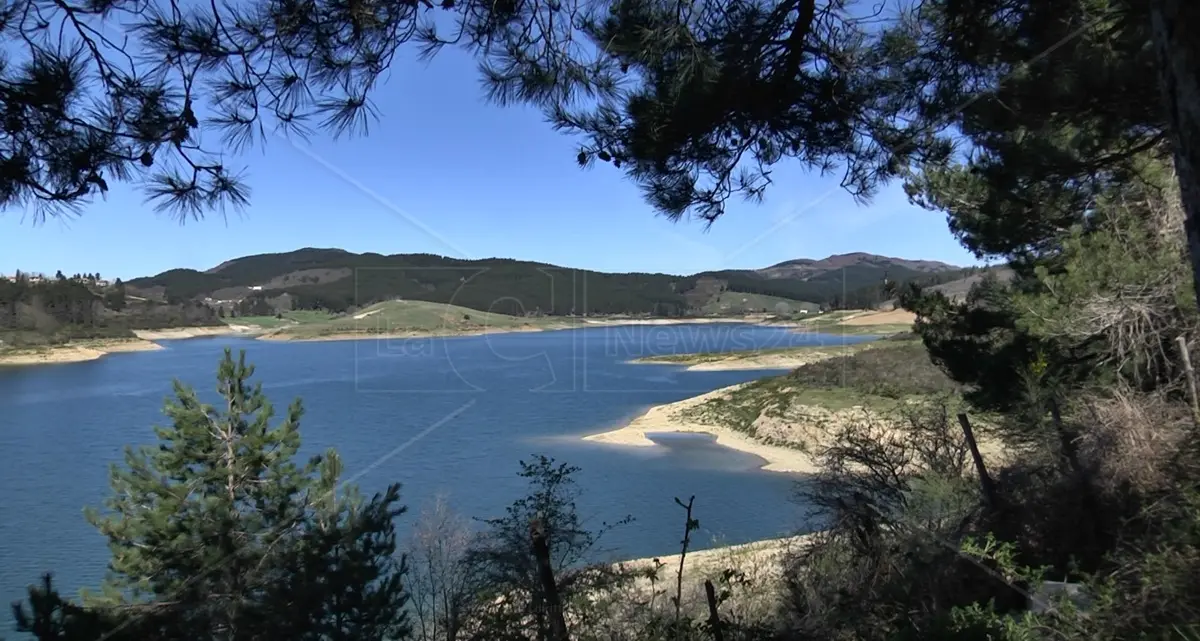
x: 179, y: 333
x: 284, y: 336
x: 79, y: 352
x: 711, y: 561
x: 806, y: 426
x: 667, y: 418
x: 91, y: 349
x: 363, y: 336
x: 891, y: 317
x: 750, y: 360
x: 617, y: 322
x: 763, y: 563
x: 768, y: 361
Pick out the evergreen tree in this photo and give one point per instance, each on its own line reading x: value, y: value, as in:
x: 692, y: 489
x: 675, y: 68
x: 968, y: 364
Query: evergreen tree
x: 1047, y: 165
x: 1174, y: 24
x: 221, y: 533
x: 49, y: 617
x: 1042, y: 146
x: 695, y: 105
x: 115, y: 299
x: 502, y: 564
x: 343, y: 581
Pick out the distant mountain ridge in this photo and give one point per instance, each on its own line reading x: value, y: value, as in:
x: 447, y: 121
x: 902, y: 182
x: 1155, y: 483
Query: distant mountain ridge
x: 804, y: 268
x: 338, y: 280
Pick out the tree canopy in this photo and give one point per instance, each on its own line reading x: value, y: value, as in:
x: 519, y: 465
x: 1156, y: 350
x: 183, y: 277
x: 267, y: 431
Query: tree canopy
x: 1070, y: 103
x: 221, y: 532
x: 694, y: 101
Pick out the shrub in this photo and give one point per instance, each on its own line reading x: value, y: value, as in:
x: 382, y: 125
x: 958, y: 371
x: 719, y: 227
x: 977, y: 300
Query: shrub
x: 895, y: 370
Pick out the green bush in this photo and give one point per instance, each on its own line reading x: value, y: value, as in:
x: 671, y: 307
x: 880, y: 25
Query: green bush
x: 896, y: 370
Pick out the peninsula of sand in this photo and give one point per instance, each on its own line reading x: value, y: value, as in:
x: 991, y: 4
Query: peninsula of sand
x: 787, y: 439
x: 780, y: 419
x: 675, y: 417
x: 83, y: 350
x: 762, y: 359
x: 75, y: 352
x: 179, y: 333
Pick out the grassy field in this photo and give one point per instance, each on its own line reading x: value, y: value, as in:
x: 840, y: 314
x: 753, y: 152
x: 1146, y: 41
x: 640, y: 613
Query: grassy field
x: 815, y: 351
x: 298, y: 317
x: 29, y: 339
x: 854, y: 323
x: 853, y: 330
x: 75, y: 351
x: 82, y: 343
x: 416, y: 317
x: 881, y: 378
x: 739, y: 303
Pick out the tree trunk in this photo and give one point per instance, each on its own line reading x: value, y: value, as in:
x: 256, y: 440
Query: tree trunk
x: 714, y: 617
x: 1190, y: 375
x: 987, y: 486
x: 1175, y: 25
x: 552, y: 608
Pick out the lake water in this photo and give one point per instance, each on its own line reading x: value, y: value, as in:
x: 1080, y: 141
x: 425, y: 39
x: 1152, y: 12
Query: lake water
x: 441, y: 416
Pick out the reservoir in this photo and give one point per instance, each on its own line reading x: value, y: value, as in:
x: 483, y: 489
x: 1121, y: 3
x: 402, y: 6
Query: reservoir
x: 446, y: 417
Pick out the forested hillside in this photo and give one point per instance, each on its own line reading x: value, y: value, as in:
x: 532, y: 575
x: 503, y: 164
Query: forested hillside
x: 337, y: 280
x: 57, y: 310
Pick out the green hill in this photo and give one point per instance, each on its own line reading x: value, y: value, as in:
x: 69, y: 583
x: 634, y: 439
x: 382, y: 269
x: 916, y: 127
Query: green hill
x: 340, y: 281
x: 733, y: 302
x: 392, y: 317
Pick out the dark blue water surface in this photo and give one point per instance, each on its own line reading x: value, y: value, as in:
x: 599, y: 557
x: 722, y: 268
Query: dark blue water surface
x: 441, y: 416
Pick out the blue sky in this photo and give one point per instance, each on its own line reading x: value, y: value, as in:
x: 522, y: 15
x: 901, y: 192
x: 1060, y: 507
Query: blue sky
x: 446, y: 173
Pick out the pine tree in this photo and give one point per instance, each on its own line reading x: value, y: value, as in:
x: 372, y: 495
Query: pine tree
x: 344, y: 582
x: 504, y: 564
x: 220, y: 532
x: 115, y: 299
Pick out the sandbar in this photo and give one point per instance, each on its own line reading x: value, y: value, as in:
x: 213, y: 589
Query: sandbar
x: 667, y: 418
x: 750, y: 360
x: 178, y: 333
x: 77, y: 352
x: 366, y: 336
